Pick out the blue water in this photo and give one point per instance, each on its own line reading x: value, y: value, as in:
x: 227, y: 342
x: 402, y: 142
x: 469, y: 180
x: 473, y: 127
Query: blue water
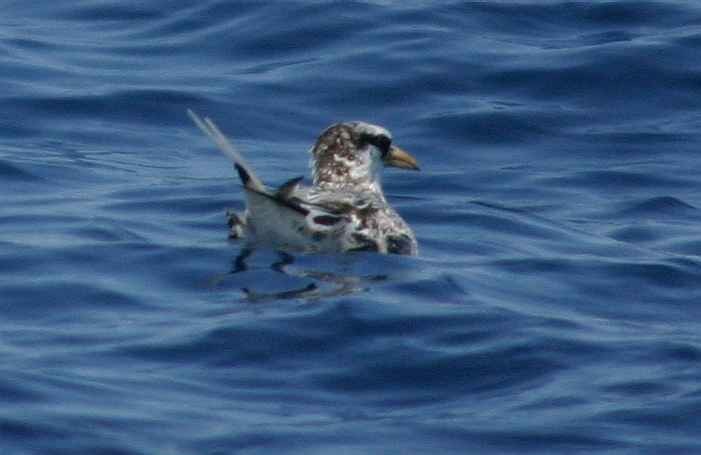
x: 555, y: 306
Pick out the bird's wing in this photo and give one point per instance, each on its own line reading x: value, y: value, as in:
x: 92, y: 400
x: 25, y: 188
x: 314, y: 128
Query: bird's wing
x: 287, y: 219
x: 290, y: 214
x: 336, y: 209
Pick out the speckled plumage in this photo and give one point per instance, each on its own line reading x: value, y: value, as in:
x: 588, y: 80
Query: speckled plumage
x: 345, y: 208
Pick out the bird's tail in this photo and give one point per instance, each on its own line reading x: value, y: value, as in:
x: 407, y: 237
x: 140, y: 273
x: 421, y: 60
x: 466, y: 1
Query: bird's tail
x: 248, y: 177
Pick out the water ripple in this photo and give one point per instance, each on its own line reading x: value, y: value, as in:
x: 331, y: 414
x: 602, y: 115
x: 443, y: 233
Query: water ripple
x: 554, y: 298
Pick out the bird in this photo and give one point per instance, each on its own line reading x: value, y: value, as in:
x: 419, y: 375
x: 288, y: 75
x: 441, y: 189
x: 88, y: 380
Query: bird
x: 343, y: 210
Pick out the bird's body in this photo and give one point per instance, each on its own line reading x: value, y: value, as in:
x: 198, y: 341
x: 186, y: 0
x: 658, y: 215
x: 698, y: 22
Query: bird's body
x: 345, y: 208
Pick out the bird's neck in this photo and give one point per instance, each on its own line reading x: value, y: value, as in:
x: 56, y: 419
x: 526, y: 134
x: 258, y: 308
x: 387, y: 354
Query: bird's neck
x: 353, y: 186
x: 362, y: 175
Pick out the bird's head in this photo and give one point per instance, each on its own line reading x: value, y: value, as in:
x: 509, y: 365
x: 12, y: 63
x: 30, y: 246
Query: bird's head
x: 354, y: 153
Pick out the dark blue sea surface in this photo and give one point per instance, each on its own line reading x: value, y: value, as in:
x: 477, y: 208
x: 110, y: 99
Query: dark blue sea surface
x: 555, y: 306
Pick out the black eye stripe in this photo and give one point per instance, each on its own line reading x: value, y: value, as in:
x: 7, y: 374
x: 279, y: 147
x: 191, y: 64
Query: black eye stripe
x: 381, y: 141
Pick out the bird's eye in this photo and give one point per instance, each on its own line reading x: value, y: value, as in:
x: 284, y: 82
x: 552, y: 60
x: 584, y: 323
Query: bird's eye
x: 380, y: 141
x: 383, y: 143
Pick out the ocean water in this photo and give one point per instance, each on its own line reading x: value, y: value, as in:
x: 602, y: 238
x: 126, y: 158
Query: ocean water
x: 555, y: 306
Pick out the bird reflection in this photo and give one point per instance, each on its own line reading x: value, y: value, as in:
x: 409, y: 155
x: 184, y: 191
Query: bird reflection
x: 324, y: 283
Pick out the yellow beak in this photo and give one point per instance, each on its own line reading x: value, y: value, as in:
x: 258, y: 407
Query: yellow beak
x: 401, y: 159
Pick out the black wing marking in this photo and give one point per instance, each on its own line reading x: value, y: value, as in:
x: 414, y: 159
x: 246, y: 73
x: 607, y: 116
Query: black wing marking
x: 327, y: 220
x: 293, y: 203
x: 286, y: 189
x: 399, y: 244
x: 364, y: 243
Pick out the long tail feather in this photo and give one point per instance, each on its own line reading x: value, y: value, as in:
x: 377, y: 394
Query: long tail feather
x: 210, y: 129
